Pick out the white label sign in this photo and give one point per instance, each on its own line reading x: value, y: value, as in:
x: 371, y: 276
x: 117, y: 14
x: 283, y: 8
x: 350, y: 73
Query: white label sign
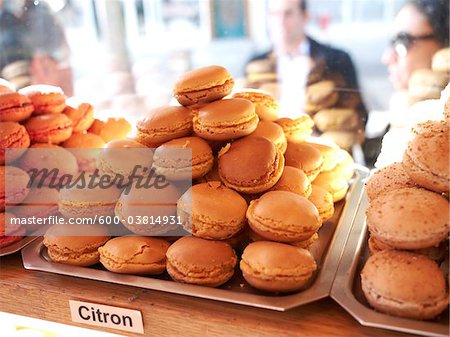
x: 106, y: 316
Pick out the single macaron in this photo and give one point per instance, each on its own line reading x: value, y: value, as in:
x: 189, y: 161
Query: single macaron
x: 296, y: 130
x: 293, y: 180
x: 426, y: 160
x: 12, y: 136
x: 163, y: 124
x: 212, y: 211
x: 272, y: 132
x: 143, y: 209
x: 125, y: 157
x: 283, y: 216
x: 336, y: 119
x: 14, y: 186
x: 251, y: 165
x: 112, y: 128
x: 90, y: 201
x: 41, y: 202
x: 10, y: 232
x: 75, y: 245
x: 409, y: 218
x: 203, y: 85
x: 86, y: 147
x: 51, y: 128
x: 323, y: 200
x: 331, y: 155
x: 14, y: 107
x: 320, y: 95
x: 277, y: 267
x: 80, y: 113
x: 46, y: 99
x: 345, y: 166
x: 58, y: 162
x: 199, y: 261
x: 140, y: 255
x: 226, y: 119
x: 441, y: 61
x: 334, y: 183
x: 304, y: 157
x: 266, y: 106
x: 391, y: 177
x: 183, y: 158
x: 404, y: 284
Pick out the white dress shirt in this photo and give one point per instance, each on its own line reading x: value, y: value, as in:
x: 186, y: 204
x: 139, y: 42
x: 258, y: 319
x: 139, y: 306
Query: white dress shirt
x: 292, y: 73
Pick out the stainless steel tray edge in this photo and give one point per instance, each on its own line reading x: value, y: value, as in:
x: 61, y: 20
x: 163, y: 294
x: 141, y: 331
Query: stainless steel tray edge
x: 33, y: 260
x: 342, y: 288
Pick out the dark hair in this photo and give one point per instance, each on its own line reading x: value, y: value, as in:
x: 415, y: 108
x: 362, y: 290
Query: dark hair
x: 437, y: 14
x: 303, y: 5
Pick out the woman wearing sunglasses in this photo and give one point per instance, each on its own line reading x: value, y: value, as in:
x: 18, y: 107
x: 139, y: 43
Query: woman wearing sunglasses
x: 421, y: 28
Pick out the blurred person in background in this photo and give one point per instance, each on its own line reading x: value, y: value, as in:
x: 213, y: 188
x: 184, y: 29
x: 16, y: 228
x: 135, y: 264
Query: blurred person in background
x: 33, y: 45
x: 299, y: 65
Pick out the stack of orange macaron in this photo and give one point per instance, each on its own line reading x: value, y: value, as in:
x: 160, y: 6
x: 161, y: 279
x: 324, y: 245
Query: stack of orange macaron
x: 40, y: 116
x: 408, y: 221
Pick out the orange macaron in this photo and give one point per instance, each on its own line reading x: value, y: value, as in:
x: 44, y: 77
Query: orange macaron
x: 273, y: 132
x: 51, y: 128
x: 112, y: 128
x: 203, y: 85
x: 266, y: 105
x: 294, y: 180
x: 80, y: 113
x: 46, y: 99
x: 12, y: 136
x: 304, y: 157
x: 296, y: 130
x: 14, y: 107
x: 251, y: 165
x: 226, y: 119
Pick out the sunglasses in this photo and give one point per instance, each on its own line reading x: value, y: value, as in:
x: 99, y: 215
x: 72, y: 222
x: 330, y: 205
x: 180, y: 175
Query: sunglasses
x: 402, y: 42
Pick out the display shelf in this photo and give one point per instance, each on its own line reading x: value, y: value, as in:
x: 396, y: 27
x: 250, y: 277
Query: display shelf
x: 46, y: 296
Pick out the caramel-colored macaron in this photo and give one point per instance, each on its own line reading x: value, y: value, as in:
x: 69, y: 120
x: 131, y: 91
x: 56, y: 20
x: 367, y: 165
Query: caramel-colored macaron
x: 155, y: 202
x: 296, y: 130
x: 426, y: 160
x: 183, y: 158
x: 336, y: 119
x: 163, y: 124
x: 203, y: 85
x: 52, y: 128
x: 112, y: 128
x: 320, y: 95
x: 199, y: 261
x: 306, y: 244
x: 46, y: 99
x: 409, y: 218
x: 272, y: 132
x: 80, y: 113
x: 345, y: 166
x: 14, y: 186
x: 12, y: 136
x: 84, y: 141
x: 251, y: 165
x: 404, y: 284
x: 283, y: 216
x: 293, y: 180
x: 14, y: 107
x: 323, y: 200
x: 266, y: 106
x: 277, y: 267
x: 226, y: 119
x: 304, y: 157
x: 88, y: 201
x: 212, y: 211
x: 138, y: 255
x: 386, y: 179
x: 334, y: 183
x: 125, y: 157
x: 344, y: 139
x: 75, y: 244
x: 331, y: 155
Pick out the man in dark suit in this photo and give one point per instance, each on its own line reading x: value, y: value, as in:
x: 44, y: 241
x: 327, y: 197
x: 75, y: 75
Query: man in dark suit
x: 297, y: 61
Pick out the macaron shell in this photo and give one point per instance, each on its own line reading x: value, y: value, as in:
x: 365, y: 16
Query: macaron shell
x: 323, y: 200
x: 272, y: 132
x: 46, y: 99
x: 81, y: 115
x: 333, y: 183
x: 331, y: 155
x: 404, y: 284
x: 336, y: 119
x: 52, y: 128
x: 14, y: 107
x: 266, y: 106
x: 296, y: 130
x: 409, y: 218
x: 293, y: 180
x: 15, y: 136
x: 304, y: 157
x: 134, y: 255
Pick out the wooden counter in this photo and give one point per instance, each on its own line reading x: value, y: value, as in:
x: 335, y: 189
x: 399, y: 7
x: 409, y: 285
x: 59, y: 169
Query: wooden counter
x: 46, y: 296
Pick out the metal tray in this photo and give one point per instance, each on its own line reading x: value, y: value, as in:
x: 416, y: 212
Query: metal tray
x: 327, y: 251
x: 16, y: 246
x: 347, y: 290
